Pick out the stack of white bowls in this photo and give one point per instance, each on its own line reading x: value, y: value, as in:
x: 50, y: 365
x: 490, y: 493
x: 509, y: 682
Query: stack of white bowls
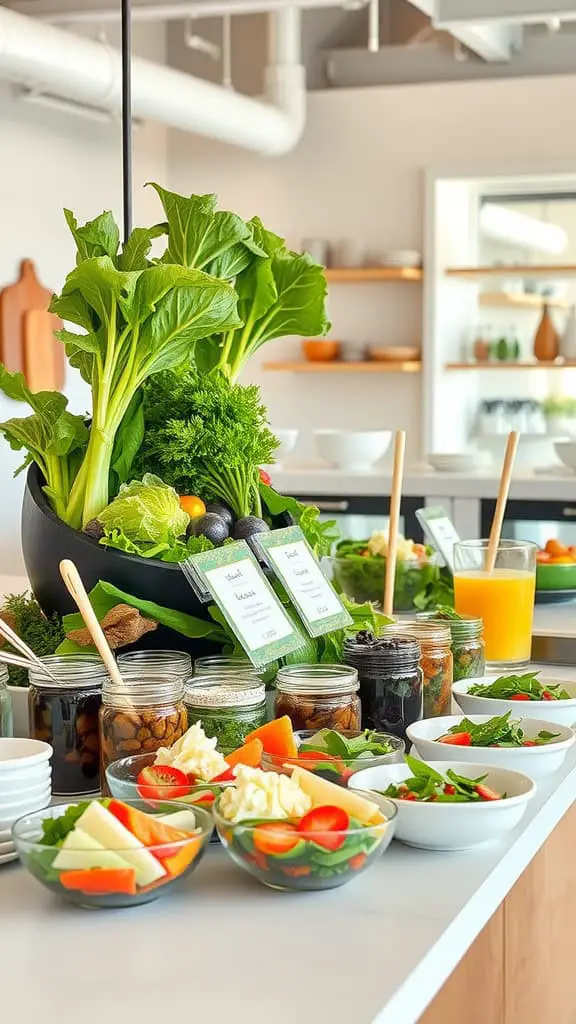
x: 25, y: 786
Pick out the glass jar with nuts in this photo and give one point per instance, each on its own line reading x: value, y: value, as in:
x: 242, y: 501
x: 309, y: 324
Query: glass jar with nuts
x: 145, y: 713
x: 318, y: 696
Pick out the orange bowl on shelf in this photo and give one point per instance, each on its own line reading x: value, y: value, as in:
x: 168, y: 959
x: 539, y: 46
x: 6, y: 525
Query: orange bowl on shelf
x: 321, y: 351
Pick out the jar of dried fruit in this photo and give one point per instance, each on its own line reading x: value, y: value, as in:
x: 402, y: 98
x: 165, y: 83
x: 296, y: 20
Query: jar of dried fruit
x: 318, y: 696
x: 177, y: 663
x: 65, y: 714
x: 146, y: 712
x: 436, y: 661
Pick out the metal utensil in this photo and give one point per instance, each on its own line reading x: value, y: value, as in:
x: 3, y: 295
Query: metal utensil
x: 15, y: 641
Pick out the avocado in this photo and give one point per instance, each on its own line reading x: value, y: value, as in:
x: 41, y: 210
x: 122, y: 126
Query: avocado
x: 222, y: 510
x: 211, y: 526
x: 247, y: 527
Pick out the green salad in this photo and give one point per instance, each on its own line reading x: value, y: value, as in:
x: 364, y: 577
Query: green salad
x: 359, y: 569
x: 524, y: 687
x: 500, y: 731
x: 428, y: 785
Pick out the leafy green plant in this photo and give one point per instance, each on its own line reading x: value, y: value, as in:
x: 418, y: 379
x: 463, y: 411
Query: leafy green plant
x: 146, y: 510
x: 320, y: 534
x: 41, y: 632
x: 559, y: 405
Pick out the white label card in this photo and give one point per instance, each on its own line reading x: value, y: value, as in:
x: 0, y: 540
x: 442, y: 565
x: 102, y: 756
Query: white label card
x: 258, y: 617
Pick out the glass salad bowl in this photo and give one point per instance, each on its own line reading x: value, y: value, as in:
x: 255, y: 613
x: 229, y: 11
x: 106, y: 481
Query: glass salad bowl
x: 108, y: 853
x: 327, y: 763
x: 283, y: 854
x: 360, y: 576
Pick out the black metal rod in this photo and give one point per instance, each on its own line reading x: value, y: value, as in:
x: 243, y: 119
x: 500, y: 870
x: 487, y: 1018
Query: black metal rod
x: 127, y: 116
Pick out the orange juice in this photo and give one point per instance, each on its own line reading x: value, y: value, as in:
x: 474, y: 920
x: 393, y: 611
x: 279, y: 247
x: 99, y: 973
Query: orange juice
x: 504, y: 600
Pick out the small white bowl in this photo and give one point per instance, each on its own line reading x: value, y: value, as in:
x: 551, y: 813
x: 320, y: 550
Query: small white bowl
x: 287, y: 440
x: 17, y: 754
x: 562, y: 712
x: 438, y: 826
x: 24, y: 791
x: 9, y: 806
x: 352, y: 449
x: 566, y: 452
x: 537, y: 762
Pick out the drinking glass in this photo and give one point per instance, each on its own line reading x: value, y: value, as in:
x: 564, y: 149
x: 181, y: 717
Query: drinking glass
x: 503, y: 599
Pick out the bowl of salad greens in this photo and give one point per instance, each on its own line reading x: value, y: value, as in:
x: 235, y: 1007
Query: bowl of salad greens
x: 337, y: 755
x: 529, y: 745
x: 543, y: 696
x: 359, y: 568
x: 449, y: 805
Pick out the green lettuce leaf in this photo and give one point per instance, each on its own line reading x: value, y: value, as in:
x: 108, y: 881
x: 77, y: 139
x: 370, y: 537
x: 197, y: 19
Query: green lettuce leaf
x: 146, y: 510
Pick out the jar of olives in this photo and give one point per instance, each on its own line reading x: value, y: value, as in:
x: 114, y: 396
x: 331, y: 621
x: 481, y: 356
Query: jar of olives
x: 65, y: 714
x: 144, y: 713
x: 390, y: 680
x: 318, y: 696
x: 177, y: 663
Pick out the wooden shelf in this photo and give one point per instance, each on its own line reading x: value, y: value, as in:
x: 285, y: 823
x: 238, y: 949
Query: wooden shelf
x: 559, y: 271
x: 520, y: 300
x: 343, y: 367
x: 495, y: 365
x: 366, y: 274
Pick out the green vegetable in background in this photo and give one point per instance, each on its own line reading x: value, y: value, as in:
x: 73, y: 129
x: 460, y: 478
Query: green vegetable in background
x: 42, y: 633
x: 146, y: 510
x: 321, y: 535
x: 207, y: 436
x: 418, y: 584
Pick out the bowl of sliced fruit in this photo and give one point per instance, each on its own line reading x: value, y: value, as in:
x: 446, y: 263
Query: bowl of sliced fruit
x: 336, y: 754
x: 555, y: 573
x: 300, y: 832
x: 112, y: 853
x: 529, y: 745
x: 545, y: 697
x: 449, y: 805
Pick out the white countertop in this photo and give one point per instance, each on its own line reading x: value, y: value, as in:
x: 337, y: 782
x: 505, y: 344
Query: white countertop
x: 421, y: 482
x: 225, y: 948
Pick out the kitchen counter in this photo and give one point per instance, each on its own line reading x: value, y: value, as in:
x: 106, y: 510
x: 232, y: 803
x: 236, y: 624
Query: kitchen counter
x: 375, y: 952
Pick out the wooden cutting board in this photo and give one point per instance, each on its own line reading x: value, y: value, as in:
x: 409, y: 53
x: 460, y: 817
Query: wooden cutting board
x: 26, y: 342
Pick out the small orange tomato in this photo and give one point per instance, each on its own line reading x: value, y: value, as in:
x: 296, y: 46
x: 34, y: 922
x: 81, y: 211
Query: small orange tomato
x: 192, y: 505
x: 420, y: 550
x: 554, y: 547
x: 543, y: 557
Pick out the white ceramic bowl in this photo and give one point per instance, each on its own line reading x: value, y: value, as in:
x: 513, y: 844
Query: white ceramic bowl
x: 352, y: 449
x: 455, y: 462
x: 438, y: 826
x: 17, y: 755
x: 566, y: 452
x: 23, y: 805
x: 537, y: 762
x: 24, y: 791
x: 287, y: 440
x: 562, y: 712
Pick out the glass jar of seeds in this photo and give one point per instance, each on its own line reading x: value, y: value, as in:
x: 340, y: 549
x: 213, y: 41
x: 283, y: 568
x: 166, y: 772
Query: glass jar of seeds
x: 228, y: 707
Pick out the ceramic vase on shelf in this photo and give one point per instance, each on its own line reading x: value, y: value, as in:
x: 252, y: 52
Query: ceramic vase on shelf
x: 546, y: 341
x: 568, y: 339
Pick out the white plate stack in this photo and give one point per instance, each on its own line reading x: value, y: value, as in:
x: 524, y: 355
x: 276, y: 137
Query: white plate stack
x: 25, y: 786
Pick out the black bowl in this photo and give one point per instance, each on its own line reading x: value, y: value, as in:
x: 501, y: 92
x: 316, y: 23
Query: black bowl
x: 46, y: 540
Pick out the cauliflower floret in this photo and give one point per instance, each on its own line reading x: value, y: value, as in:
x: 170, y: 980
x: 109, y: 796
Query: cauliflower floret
x: 378, y: 545
x: 259, y: 794
x: 194, y: 754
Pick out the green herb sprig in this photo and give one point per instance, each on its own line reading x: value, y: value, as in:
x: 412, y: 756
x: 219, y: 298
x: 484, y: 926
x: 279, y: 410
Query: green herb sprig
x: 527, y: 686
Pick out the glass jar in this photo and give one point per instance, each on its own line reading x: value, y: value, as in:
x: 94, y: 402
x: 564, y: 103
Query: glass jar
x: 6, y: 718
x: 435, y: 661
x: 145, y: 713
x: 65, y: 714
x: 177, y: 663
x: 220, y: 665
x: 390, y: 681
x: 318, y: 696
x: 228, y: 708
x: 468, y: 648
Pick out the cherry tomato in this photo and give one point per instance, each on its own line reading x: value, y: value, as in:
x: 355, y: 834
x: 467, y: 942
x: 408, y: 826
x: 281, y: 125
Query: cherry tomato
x: 194, y: 506
x: 325, y: 826
x: 546, y: 695
x: 519, y: 696
x: 457, y: 739
x: 162, y: 782
x: 529, y: 743
x: 450, y: 790
x: 486, y: 793
x: 275, y: 837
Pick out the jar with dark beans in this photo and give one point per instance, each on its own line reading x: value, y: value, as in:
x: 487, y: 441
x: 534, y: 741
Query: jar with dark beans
x: 145, y: 713
x: 468, y: 649
x: 65, y: 714
x: 390, y: 680
x: 435, y: 661
x: 318, y: 697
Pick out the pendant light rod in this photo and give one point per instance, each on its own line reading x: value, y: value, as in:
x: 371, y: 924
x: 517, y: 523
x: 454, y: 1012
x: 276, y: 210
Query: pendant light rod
x: 127, y: 116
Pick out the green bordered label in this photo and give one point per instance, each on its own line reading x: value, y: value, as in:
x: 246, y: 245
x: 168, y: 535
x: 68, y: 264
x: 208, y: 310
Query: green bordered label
x: 246, y: 599
x: 292, y: 560
x: 439, y: 531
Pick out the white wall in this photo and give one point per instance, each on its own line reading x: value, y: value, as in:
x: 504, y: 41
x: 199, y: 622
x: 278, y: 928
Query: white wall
x: 358, y: 173
x: 51, y: 160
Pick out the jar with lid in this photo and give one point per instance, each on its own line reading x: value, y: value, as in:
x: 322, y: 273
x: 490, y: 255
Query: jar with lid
x: 221, y: 665
x: 65, y: 714
x: 318, y: 696
x: 6, y: 718
x: 468, y: 648
x: 228, y: 707
x: 435, y: 661
x: 390, y: 680
x: 177, y: 663
x: 144, y: 713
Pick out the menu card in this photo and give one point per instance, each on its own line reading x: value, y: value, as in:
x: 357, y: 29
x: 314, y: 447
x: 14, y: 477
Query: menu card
x: 440, y: 531
x: 292, y: 560
x: 235, y: 581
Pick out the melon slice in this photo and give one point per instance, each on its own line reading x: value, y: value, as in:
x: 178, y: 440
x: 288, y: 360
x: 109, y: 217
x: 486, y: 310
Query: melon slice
x: 148, y: 829
x: 80, y: 851
x: 102, y: 826
x: 250, y: 755
x: 183, y: 820
x: 325, y: 793
x: 277, y: 737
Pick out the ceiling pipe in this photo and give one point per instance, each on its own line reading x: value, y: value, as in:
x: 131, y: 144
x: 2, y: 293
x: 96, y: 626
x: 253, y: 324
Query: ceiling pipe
x: 177, y: 11
x: 70, y: 67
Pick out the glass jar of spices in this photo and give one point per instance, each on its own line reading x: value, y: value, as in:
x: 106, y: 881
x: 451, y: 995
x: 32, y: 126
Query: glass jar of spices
x: 221, y: 665
x: 435, y: 661
x: 390, y: 680
x: 146, y: 712
x: 318, y: 696
x: 468, y: 648
x: 6, y: 717
x: 65, y: 714
x: 228, y: 707
x: 177, y: 663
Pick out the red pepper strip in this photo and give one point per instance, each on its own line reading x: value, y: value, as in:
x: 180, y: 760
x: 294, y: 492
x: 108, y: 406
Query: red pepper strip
x: 548, y: 696
x: 529, y: 743
x: 101, y: 881
x: 486, y: 793
x: 226, y: 776
x: 519, y: 696
x: 457, y: 739
x: 408, y: 796
x: 450, y: 790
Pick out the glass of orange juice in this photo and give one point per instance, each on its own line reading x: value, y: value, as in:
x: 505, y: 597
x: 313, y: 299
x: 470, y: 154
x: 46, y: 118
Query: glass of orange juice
x: 504, y: 598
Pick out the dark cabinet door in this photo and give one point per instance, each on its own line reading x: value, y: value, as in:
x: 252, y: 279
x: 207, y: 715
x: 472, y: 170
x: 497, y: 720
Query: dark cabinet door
x: 537, y: 521
x: 359, y: 515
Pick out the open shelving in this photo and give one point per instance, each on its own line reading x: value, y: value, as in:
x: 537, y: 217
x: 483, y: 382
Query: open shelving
x: 543, y: 365
x: 413, y: 366
x: 361, y: 275
x: 520, y: 300
x: 545, y: 270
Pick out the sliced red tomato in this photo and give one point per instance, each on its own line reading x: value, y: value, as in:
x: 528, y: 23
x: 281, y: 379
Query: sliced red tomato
x: 519, y: 696
x: 275, y: 837
x: 162, y: 782
x: 486, y: 793
x: 265, y: 477
x: 226, y: 776
x: 357, y: 862
x: 457, y: 739
x: 529, y: 743
x: 449, y: 789
x: 101, y: 881
x: 325, y: 826
x: 205, y: 798
x: 546, y: 695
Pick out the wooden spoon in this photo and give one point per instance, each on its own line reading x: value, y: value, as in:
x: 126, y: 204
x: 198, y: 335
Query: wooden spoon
x: 395, y: 498
x: 76, y: 589
x: 501, y: 501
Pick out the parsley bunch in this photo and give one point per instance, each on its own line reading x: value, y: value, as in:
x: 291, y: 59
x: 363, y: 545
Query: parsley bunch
x: 207, y: 436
